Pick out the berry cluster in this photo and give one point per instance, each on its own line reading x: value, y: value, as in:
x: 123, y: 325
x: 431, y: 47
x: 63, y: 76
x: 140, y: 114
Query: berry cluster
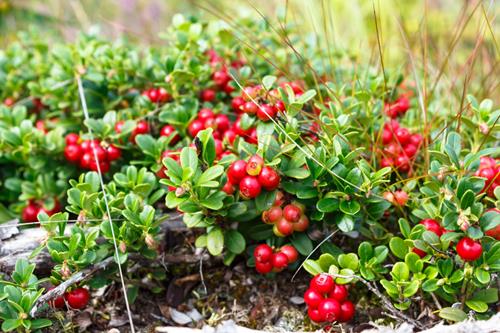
x: 467, y: 248
x: 30, y: 212
x: 327, y: 301
x: 489, y: 168
x: 142, y: 127
x: 251, y: 177
x: 76, y: 299
x: 286, y: 220
x: 397, y: 108
x: 266, y: 260
x: 157, y: 95
x: 401, y: 146
x: 82, y: 153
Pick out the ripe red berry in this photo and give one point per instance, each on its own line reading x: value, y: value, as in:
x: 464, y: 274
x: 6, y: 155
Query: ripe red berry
x: 72, y: 153
x: 386, y: 162
x: 401, y: 197
x: 416, y: 139
x: 85, y: 160
x: 167, y: 131
x: 322, y: 283
x: 280, y: 105
x: 292, y: 213
x: 119, y: 126
x: 314, y: 315
x: 279, y: 199
x: 230, y: 136
x: 252, y: 137
x: 72, y: 139
x: 141, y: 127
x: 263, y: 253
x: 402, y: 163
x: 249, y: 187
x: 312, y: 298
x: 290, y: 252
x: 266, y: 112
x: 152, y: 94
x: 228, y: 188
x: 195, y: 127
x: 239, y: 130
x: 58, y: 302
x: 329, y: 309
x: 410, y: 150
x: 279, y: 260
x: 104, y: 166
x: 264, y: 267
x: 237, y: 171
x: 205, y: 114
x: 391, y: 125
x: 78, y: 298
x: 432, y: 225
x: 284, y: 227
x: 420, y: 253
x: 339, y: 292
x: 254, y: 165
x: 495, y: 232
x: 222, y: 123
x: 346, y: 311
x: 386, y: 136
x: 163, y: 95
x: 237, y: 103
x: 113, y: 152
x: 221, y: 78
x: 207, y: 95
x: 274, y: 214
x: 302, y: 224
x: 30, y: 212
x: 269, y: 178
x: 402, y: 135
x: 250, y: 107
x: 469, y: 249
x: 488, y: 173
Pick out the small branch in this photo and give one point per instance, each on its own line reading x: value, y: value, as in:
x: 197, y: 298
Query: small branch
x: 75, y: 278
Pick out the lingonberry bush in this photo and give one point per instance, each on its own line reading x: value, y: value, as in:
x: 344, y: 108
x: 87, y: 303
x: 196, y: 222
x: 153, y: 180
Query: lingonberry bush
x: 334, y: 174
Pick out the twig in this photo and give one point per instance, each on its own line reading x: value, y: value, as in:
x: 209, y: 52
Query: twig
x: 75, y: 278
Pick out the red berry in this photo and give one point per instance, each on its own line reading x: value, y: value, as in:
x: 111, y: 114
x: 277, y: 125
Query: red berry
x: 58, y: 302
x: 167, y: 131
x: 402, y: 135
x: 314, y: 315
x: 221, y: 78
x: 104, y: 166
x: 250, y: 107
x: 312, y: 298
x: 279, y: 199
x: 284, y: 227
x: 495, y: 232
x: 219, y: 148
x: 269, y: 178
x: 222, y: 123
x: 488, y: 173
x: 346, y: 311
x: 207, y: 95
x: 263, y: 253
x: 292, y: 213
x: 391, y: 126
x: 85, y: 160
x: 290, y: 252
x: 237, y: 103
x: 252, y: 137
x: 386, y: 162
x: 78, y: 298
x: 228, y: 188
x: 274, y: 214
x: 410, y: 150
x: 322, y: 283
x: 152, y: 94
x: 416, y: 139
x: 30, y: 212
x: 264, y: 267
x: 230, y: 136
x: 72, y: 139
x: 421, y: 253
x: 402, y: 163
x: 279, y: 260
x: 113, y: 152
x: 401, y: 197
x: 432, y: 225
x: 302, y: 224
x: 469, y: 249
x: 119, y: 126
x: 237, y: 171
x: 249, y: 187
x: 329, y: 309
x: 239, y: 130
x: 205, y: 114
x: 339, y: 292
x: 254, y: 165
x: 266, y: 112
x: 402, y: 104
x: 141, y: 127
x: 386, y: 136
x: 195, y: 127
x: 280, y: 105
x: 163, y: 95
x: 72, y: 153
x: 487, y: 162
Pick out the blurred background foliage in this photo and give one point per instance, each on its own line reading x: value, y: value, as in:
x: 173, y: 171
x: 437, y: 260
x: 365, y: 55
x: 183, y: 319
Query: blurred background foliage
x: 450, y: 41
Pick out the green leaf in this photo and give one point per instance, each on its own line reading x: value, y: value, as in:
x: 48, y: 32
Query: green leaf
x: 390, y: 287
x: 398, y: 247
x: 477, y: 306
x: 327, y: 205
x: 11, y: 324
x: 400, y: 271
x: 215, y: 241
x: 312, y: 267
x: 302, y: 243
x: 467, y: 199
x: 411, y: 288
x: 346, y: 223
x: 345, y: 280
x: 482, y: 275
x: 365, y: 251
x: 40, y: 323
x: 201, y: 241
x: 489, y: 295
x: 210, y: 174
x: 453, y: 147
x: 430, y: 285
x: 452, y: 314
x: 414, y: 263
x: 349, y: 260
x: 268, y: 81
x: 325, y: 261
x: 189, y: 159
x: 350, y: 207
x: 405, y: 228
x: 235, y: 242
